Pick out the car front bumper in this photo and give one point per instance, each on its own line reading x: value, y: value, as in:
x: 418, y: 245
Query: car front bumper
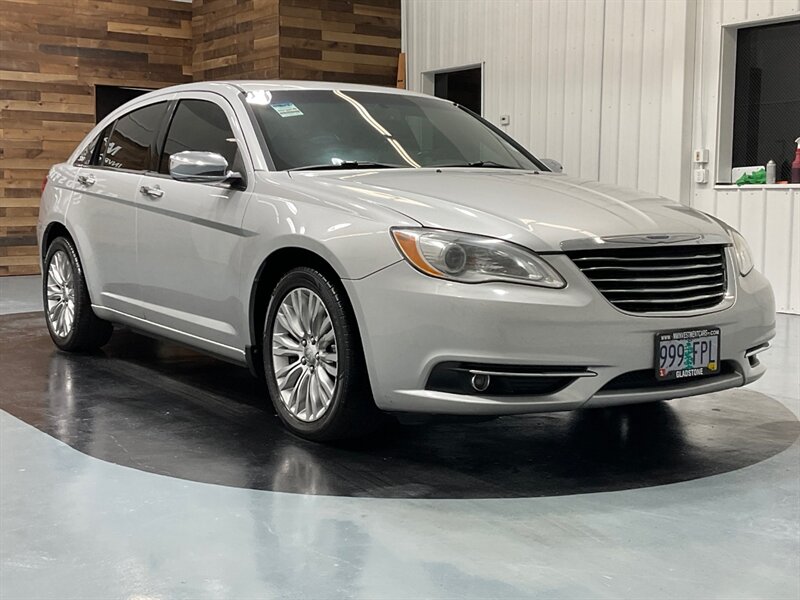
x: 411, y: 322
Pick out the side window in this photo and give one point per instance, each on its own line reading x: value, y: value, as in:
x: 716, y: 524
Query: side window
x: 85, y: 157
x: 128, y: 146
x: 201, y: 126
x: 97, y: 159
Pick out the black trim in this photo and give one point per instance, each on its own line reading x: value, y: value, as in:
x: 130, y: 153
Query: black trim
x: 646, y: 380
x: 101, y: 157
x: 455, y: 378
x: 255, y: 361
x: 505, y: 137
x: 160, y: 139
x: 94, y: 143
x: 105, y: 133
x: 254, y: 335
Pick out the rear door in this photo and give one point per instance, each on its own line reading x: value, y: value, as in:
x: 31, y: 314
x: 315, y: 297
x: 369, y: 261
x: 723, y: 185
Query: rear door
x: 190, y: 237
x: 103, y: 208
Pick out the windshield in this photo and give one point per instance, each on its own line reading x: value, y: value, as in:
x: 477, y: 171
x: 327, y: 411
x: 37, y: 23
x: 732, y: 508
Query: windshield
x: 347, y: 129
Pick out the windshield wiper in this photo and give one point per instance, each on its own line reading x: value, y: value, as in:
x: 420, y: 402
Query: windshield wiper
x: 349, y: 164
x: 488, y: 164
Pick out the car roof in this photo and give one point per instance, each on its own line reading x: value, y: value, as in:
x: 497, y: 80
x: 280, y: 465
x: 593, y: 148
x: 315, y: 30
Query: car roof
x: 232, y: 88
x: 247, y: 85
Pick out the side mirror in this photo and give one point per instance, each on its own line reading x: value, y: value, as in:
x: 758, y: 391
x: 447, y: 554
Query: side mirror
x: 552, y: 164
x: 201, y: 167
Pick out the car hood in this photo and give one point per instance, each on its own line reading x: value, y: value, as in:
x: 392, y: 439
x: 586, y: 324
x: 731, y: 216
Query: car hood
x: 541, y: 211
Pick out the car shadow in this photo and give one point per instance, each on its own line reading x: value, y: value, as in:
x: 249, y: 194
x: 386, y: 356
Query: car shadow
x: 161, y: 408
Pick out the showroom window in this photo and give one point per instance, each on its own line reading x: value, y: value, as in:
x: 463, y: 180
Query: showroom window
x: 766, y: 109
x: 128, y: 147
x: 201, y: 126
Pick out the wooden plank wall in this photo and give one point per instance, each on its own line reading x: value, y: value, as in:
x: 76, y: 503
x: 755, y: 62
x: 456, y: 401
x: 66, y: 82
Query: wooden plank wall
x: 323, y: 40
x: 336, y: 40
x: 235, y: 39
x: 52, y: 52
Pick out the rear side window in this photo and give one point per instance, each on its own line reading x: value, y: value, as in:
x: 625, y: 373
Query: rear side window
x: 128, y: 147
x: 85, y: 157
x: 200, y: 126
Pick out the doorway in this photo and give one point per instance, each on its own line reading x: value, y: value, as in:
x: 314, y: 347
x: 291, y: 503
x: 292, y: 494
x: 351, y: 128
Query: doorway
x: 108, y: 98
x: 463, y: 85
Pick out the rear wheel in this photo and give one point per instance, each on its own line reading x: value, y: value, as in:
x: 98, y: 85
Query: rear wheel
x: 313, y: 360
x: 72, y: 324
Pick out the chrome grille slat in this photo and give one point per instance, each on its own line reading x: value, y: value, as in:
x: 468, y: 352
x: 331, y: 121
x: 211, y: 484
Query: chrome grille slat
x: 657, y: 278
x: 597, y: 280
x: 661, y: 300
x: 693, y: 267
x: 606, y: 258
x: 666, y: 290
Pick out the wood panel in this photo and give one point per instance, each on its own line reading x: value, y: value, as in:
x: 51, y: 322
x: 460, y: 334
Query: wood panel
x: 235, y: 39
x: 52, y: 53
x: 339, y: 40
x: 324, y: 40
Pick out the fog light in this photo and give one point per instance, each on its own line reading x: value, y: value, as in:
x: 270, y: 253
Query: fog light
x: 480, y: 382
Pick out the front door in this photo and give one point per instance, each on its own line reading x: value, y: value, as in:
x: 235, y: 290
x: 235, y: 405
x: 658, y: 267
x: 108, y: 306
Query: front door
x: 189, y: 234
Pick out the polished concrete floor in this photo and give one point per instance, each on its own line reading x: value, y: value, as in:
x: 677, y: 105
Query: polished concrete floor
x: 148, y: 471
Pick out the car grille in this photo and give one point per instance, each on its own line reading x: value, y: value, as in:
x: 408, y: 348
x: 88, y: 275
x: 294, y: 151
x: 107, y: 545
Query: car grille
x: 657, y: 279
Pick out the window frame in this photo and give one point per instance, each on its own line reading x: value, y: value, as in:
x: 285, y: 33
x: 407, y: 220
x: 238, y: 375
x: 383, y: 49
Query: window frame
x: 111, y: 127
x: 727, y: 93
x: 233, y: 122
x: 94, y: 144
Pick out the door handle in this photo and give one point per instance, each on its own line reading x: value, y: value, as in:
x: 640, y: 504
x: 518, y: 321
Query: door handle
x: 86, y: 180
x: 152, y: 191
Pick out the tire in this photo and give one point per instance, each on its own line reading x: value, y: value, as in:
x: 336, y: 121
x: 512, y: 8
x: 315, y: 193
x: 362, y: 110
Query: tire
x: 72, y: 324
x: 307, y: 363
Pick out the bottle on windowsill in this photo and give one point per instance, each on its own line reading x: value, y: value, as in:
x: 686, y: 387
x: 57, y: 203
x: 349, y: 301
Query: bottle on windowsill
x: 796, y: 164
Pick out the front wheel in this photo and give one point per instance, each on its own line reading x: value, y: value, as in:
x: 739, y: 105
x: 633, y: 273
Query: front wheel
x: 68, y: 311
x: 313, y: 360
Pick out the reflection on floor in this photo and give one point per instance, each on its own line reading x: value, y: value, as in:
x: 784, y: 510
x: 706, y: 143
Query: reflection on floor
x: 156, y: 406
x: 105, y: 465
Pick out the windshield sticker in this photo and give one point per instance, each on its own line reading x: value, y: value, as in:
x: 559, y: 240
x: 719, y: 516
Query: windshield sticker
x: 287, y: 109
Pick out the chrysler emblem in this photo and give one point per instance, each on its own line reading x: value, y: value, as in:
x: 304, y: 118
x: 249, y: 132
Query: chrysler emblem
x: 652, y: 238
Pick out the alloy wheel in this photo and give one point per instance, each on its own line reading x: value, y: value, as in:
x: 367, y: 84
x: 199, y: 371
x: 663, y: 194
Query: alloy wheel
x: 304, y: 355
x: 61, y: 294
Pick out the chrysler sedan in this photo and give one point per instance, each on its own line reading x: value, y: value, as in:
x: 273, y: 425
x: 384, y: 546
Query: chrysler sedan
x: 371, y: 251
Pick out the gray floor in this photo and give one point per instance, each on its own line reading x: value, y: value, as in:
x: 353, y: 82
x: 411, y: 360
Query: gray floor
x: 72, y: 526
x: 20, y: 294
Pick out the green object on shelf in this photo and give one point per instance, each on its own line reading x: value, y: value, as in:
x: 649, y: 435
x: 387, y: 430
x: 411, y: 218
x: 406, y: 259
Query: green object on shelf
x: 759, y: 176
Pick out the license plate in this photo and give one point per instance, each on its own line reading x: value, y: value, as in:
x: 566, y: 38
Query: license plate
x: 687, y: 353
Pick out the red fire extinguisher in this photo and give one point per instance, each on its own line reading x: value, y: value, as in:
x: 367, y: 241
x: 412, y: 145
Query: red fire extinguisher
x: 796, y: 164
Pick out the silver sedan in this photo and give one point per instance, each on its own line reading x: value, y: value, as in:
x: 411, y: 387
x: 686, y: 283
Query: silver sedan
x: 371, y: 251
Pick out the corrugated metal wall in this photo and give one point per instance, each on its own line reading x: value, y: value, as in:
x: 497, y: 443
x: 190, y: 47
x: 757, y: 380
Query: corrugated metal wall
x: 591, y: 83
x: 768, y: 218
x: 611, y: 88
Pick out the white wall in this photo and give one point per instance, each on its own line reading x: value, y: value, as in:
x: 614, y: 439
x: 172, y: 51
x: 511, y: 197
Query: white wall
x: 612, y: 89
x: 768, y: 218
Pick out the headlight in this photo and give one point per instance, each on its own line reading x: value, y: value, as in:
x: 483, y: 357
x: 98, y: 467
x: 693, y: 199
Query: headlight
x: 742, y: 250
x: 473, y: 258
